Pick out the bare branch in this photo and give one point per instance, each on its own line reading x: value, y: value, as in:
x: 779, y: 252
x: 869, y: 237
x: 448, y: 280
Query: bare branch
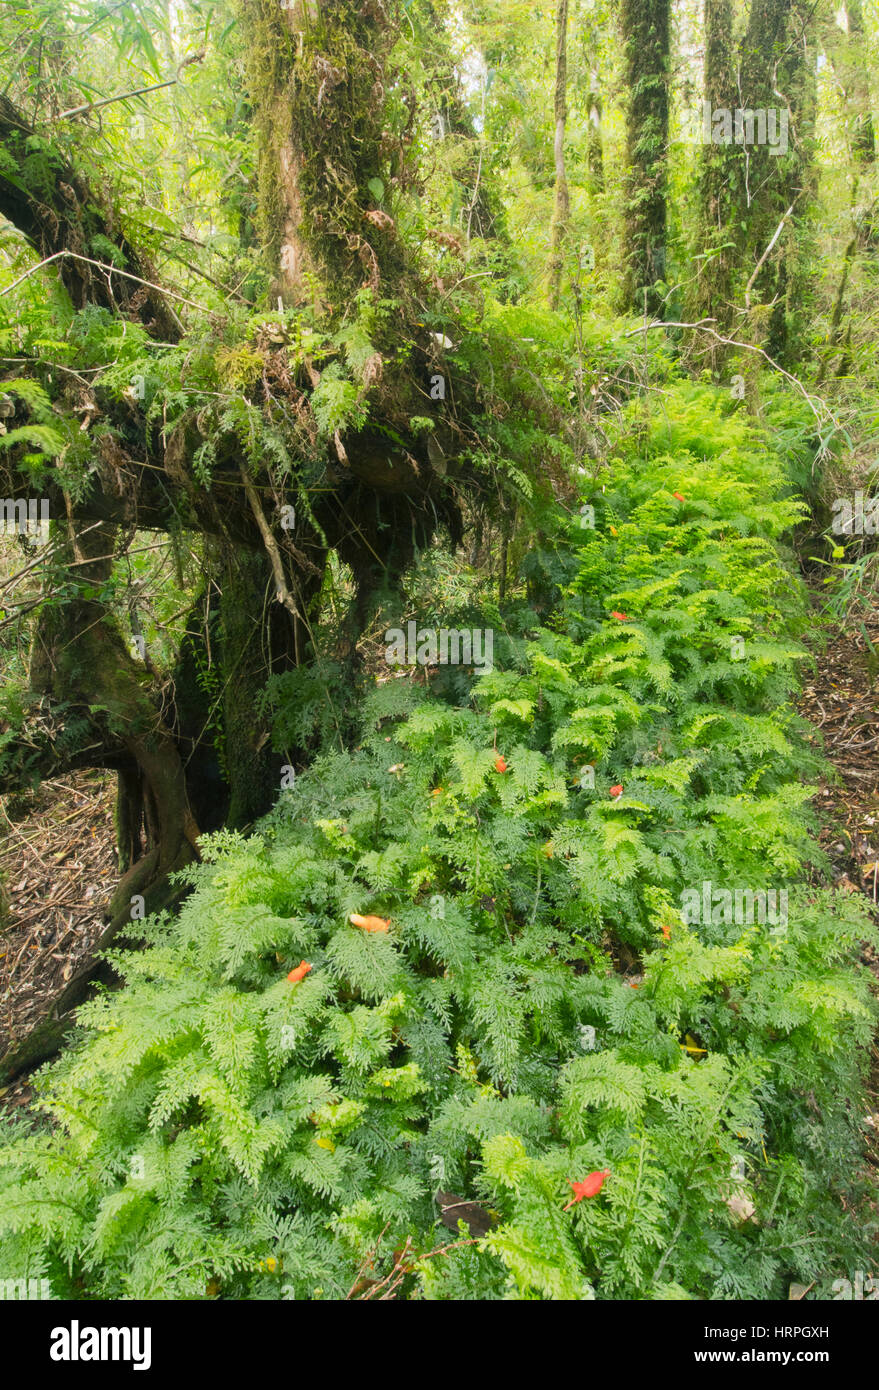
x: 762, y: 260
x: 283, y: 593
x: 746, y: 347
x: 112, y: 270
x: 108, y: 101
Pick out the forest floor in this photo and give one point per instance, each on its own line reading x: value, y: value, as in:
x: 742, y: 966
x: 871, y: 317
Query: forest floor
x: 58, y: 859
x: 841, y: 700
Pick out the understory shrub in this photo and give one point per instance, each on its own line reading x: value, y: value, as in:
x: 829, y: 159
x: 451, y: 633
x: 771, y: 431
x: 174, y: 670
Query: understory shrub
x: 541, y: 1008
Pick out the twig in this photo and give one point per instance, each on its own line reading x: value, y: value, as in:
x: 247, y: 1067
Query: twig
x: 15, y: 830
x: 800, y: 1296
x: 141, y: 91
x: 108, y: 101
x: 210, y: 279
x: 111, y: 270
x: 402, y: 1267
x: 746, y: 347
x: 762, y: 259
x: 271, y: 545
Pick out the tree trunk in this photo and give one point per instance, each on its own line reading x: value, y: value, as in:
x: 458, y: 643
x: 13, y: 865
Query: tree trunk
x: 646, y: 31
x: 80, y: 661
x: 778, y: 72
x: 200, y: 757
x: 595, y: 138
x: 721, y: 184
x: 857, y: 86
x: 562, y: 208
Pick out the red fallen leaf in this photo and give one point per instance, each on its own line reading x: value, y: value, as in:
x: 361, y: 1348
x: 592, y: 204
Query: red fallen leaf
x: 500, y: 763
x: 617, y: 790
x: 589, y: 1187
x: 369, y: 923
x: 633, y: 984
x: 679, y: 497
x: 300, y: 972
x: 620, y: 617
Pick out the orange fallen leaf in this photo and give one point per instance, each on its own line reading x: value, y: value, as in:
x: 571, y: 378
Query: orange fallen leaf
x: 300, y: 972
x: 369, y: 923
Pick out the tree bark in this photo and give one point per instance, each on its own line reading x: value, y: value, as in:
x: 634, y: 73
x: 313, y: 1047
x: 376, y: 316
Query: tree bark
x: 778, y: 71
x: 61, y: 215
x: 857, y: 86
x: 595, y: 137
x: 562, y: 206
x: 721, y: 184
x: 646, y: 39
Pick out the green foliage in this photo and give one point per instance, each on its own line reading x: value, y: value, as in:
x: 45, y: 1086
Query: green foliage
x: 540, y: 1008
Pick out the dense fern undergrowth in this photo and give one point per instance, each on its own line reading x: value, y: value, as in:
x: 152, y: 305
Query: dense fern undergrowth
x: 540, y: 1008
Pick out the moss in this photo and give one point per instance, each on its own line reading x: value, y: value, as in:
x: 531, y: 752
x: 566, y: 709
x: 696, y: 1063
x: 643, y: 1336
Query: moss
x: 316, y: 84
x: 646, y: 30
x: 239, y: 367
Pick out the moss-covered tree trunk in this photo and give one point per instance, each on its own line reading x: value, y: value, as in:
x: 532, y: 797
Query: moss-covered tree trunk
x: 857, y: 86
x: 722, y: 195
x: 80, y: 663
x: 646, y: 36
x: 778, y: 62
x: 847, y: 53
x: 258, y: 640
x: 561, y: 213
x: 595, y: 137
x: 316, y: 77
x: 198, y: 755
